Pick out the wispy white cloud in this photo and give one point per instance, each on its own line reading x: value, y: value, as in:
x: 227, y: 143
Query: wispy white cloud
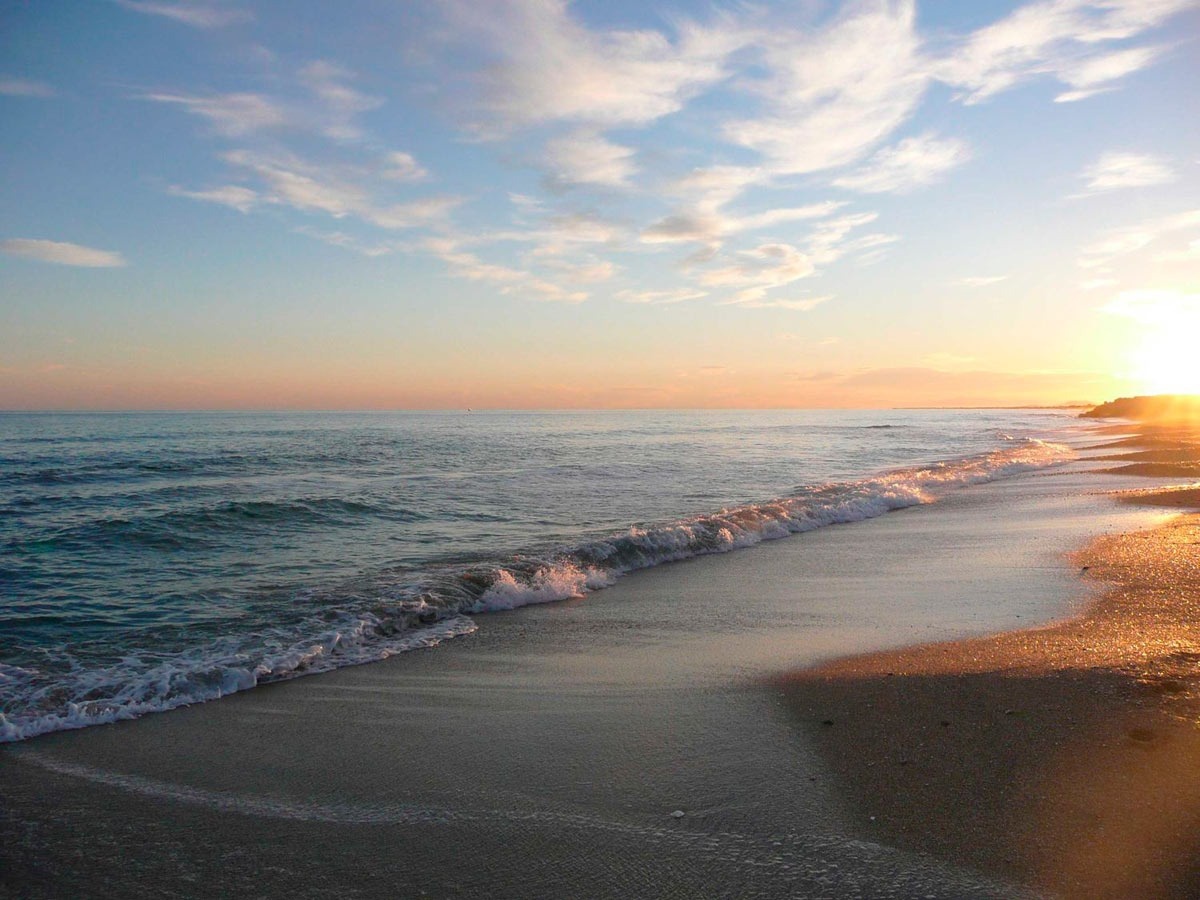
x: 398, y: 166
x: 555, y: 234
x: 338, y: 104
x: 192, y: 12
x: 832, y: 95
x: 760, y: 270
x: 1098, y: 74
x: 661, y: 297
x: 1114, y: 171
x: 290, y: 181
x: 546, y: 66
x: 559, y: 255
x: 586, y: 157
x: 1121, y: 242
x: 910, y: 164
x: 749, y: 300
x: 62, y: 253
x: 704, y: 194
x: 702, y: 217
x: 23, y: 87
x: 231, y: 115
x: 592, y: 271
x: 714, y: 187
x: 710, y: 226
x: 232, y: 195
x: 321, y: 101
x: 337, y: 190
x: 1060, y: 39
x: 467, y: 265
x: 346, y: 177
x: 349, y: 242
x: 828, y: 241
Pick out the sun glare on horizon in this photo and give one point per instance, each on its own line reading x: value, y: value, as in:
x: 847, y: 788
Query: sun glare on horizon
x: 1166, y: 362
x: 1162, y: 358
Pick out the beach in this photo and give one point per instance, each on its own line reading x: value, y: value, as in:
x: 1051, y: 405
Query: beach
x: 668, y: 736
x: 1062, y: 757
x: 571, y: 449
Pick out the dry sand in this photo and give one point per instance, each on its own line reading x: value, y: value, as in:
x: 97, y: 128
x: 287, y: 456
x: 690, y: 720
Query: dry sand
x: 1065, y: 757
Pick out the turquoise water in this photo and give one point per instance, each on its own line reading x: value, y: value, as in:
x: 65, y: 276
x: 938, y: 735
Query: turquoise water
x: 156, y: 559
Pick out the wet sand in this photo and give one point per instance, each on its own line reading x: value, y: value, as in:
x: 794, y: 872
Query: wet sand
x: 637, y: 743
x: 1063, y: 757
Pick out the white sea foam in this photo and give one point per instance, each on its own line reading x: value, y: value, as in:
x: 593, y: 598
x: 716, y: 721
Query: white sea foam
x: 431, y: 613
x: 133, y: 688
x: 598, y: 564
x: 552, y: 582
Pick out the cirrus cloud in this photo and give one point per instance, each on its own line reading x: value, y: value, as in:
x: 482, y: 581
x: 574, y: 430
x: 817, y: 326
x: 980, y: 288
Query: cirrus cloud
x: 62, y: 253
x: 1114, y: 171
x: 195, y: 14
x: 545, y: 66
x: 914, y: 162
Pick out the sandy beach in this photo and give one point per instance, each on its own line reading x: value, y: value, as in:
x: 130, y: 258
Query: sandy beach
x: 1063, y: 757
x: 580, y: 749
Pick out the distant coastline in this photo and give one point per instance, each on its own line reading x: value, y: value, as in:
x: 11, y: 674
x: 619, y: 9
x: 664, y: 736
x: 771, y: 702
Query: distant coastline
x: 1157, y: 407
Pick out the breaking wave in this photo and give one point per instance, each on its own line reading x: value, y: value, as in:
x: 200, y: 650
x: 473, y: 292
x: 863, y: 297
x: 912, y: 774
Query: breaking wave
x: 423, y: 611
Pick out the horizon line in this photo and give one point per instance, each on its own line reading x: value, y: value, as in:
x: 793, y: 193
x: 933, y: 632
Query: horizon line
x: 529, y: 409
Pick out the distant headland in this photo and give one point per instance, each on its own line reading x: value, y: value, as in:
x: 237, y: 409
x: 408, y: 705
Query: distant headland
x: 1159, y: 407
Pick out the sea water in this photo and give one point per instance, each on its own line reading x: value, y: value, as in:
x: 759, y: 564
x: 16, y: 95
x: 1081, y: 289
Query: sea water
x: 151, y: 560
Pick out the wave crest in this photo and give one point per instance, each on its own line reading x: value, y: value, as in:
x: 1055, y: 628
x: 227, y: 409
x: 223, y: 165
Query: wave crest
x: 436, y: 608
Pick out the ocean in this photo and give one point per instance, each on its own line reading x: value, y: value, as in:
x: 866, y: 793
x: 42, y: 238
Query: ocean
x: 153, y: 560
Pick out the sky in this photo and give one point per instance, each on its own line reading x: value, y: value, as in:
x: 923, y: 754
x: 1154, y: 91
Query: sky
x: 543, y: 204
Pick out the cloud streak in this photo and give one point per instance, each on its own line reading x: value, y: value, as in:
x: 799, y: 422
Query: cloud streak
x: 62, y: 253
x: 1114, y: 244
x: 913, y: 163
x: 545, y: 66
x: 586, y: 157
x: 1115, y: 171
x: 192, y: 13
x: 230, y: 115
x: 831, y: 96
x: 1061, y: 39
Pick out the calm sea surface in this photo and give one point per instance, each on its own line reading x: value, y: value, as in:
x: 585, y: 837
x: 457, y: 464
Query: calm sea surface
x: 153, y: 559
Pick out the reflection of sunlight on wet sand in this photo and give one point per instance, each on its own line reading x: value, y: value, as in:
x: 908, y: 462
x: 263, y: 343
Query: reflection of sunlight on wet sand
x: 1064, y: 757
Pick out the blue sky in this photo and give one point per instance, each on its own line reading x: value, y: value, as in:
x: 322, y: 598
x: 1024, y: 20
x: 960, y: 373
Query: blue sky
x: 536, y: 203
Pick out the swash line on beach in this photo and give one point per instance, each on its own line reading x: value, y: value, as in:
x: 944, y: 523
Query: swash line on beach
x: 382, y: 620
x: 847, y: 864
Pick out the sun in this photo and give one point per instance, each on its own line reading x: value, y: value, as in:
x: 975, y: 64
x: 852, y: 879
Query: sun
x: 1167, y: 361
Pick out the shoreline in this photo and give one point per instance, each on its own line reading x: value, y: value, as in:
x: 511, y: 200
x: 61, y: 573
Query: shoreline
x: 1062, y: 757
x: 547, y: 754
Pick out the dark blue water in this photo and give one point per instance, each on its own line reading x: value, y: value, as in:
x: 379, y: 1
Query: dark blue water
x: 153, y: 559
